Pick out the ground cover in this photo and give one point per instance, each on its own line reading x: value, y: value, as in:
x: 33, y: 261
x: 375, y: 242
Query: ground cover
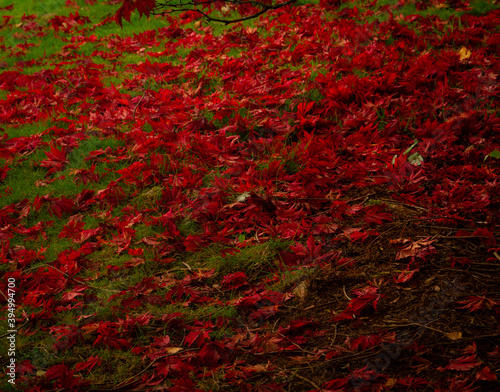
x: 306, y: 201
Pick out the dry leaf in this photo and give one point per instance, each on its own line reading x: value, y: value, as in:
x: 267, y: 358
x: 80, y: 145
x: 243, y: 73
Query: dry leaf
x: 259, y: 368
x: 454, y: 335
x: 173, y: 350
x: 300, y: 291
x: 464, y: 53
x: 391, y: 382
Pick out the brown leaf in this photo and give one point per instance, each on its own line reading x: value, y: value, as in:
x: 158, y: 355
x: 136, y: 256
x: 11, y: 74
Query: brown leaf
x: 454, y: 335
x: 300, y: 291
x: 173, y: 350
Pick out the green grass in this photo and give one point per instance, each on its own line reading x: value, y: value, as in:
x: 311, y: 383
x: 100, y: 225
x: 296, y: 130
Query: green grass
x: 77, y: 156
x: 28, y: 171
x: 256, y: 261
x: 28, y: 129
x: 46, y: 7
x: 480, y: 7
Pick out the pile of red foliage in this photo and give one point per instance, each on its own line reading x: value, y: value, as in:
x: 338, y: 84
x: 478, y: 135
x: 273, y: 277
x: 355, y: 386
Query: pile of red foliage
x: 369, y: 143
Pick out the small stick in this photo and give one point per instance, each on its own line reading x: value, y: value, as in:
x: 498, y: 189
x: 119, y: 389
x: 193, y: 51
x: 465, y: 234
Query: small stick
x: 343, y: 287
x: 312, y: 383
x: 137, y: 104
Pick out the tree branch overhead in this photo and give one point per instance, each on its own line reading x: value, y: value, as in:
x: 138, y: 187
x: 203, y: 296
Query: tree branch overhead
x: 246, y: 9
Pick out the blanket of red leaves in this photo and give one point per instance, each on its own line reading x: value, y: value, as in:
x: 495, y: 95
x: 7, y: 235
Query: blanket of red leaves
x: 370, y: 145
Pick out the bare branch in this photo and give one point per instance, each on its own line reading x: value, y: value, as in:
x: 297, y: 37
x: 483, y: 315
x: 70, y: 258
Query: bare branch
x: 265, y: 8
x: 169, y: 6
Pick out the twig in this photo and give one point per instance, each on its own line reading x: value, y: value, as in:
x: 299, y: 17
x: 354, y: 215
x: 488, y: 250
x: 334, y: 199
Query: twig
x: 137, y: 104
x: 392, y: 201
x: 312, y: 383
x: 454, y: 237
x: 300, y: 348
x: 334, y: 336
x: 409, y: 325
x: 343, y: 287
x: 128, y: 382
x: 58, y: 270
x: 264, y: 9
x: 17, y: 329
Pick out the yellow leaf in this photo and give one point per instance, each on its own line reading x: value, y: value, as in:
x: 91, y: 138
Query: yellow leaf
x: 454, y: 335
x: 464, y: 53
x: 391, y: 382
x: 173, y: 350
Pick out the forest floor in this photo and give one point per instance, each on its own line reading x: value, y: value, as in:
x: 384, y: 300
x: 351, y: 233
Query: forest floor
x: 307, y: 201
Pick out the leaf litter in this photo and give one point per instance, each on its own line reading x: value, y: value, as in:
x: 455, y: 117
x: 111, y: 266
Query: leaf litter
x: 317, y: 212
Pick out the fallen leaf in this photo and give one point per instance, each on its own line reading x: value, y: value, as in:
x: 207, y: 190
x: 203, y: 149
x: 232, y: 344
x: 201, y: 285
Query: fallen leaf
x: 464, y: 53
x: 454, y: 335
x: 173, y: 350
x: 391, y: 382
x: 486, y: 374
x: 301, y: 290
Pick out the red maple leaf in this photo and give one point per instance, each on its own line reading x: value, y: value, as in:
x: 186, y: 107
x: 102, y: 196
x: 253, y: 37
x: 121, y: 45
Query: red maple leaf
x: 412, y: 382
x: 63, y: 376
x: 486, y: 374
x: 495, y: 354
x: 73, y: 228
x: 311, y: 251
x: 234, y: 281
x: 135, y: 174
x: 108, y: 335
x: 183, y: 385
x: 56, y: 205
x: 366, y: 296
x: 25, y: 367
x: 266, y: 204
x: 363, y: 341
x: 89, y: 364
x: 405, y: 275
x: 462, y: 364
x: 357, y: 234
x: 3, y: 172
x: 60, y: 205
x: 34, y: 231
x: 419, y: 248
x: 213, y: 354
x: 123, y: 238
x: 124, y: 12
x: 69, y: 296
x: 375, y: 215
x: 85, y: 175
x: 270, y: 343
x: 336, y: 384
x: 460, y: 385
x: 85, y: 199
x: 144, y: 7
x: 197, y: 337
x: 56, y: 159
x: 475, y: 303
